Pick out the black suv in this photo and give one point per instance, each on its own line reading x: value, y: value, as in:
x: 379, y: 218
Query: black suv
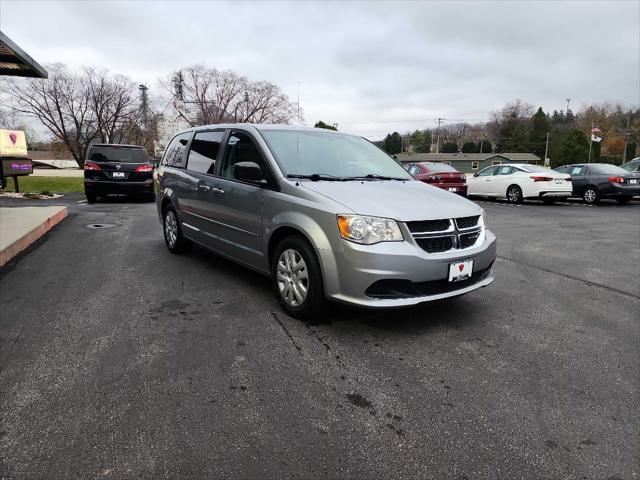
x: 113, y: 168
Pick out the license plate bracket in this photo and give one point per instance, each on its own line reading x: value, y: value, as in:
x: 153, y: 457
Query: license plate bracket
x: 460, y: 270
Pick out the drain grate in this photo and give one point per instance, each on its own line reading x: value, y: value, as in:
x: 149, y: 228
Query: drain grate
x: 100, y: 226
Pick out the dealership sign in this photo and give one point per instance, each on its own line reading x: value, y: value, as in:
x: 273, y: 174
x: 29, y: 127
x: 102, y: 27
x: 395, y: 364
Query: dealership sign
x: 12, y: 143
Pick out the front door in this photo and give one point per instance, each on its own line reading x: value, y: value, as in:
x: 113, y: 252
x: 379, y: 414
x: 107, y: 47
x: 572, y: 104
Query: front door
x: 481, y: 184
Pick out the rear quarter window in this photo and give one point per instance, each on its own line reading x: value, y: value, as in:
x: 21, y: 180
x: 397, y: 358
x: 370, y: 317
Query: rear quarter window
x: 174, y: 156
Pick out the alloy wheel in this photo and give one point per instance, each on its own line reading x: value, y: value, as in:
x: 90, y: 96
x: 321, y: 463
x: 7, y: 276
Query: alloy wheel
x: 170, y: 228
x: 292, y: 277
x: 513, y: 195
x: 590, y: 195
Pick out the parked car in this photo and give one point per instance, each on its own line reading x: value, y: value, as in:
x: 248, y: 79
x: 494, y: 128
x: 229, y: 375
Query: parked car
x: 517, y: 182
x: 325, y: 214
x: 633, y: 165
x: 439, y: 175
x: 594, y: 181
x: 117, y: 169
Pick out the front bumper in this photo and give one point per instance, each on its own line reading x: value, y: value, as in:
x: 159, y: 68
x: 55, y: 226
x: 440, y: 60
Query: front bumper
x: 352, y: 271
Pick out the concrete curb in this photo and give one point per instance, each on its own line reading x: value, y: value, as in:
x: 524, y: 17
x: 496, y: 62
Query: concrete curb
x: 28, y: 238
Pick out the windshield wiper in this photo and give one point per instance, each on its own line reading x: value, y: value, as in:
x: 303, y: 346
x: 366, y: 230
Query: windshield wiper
x: 375, y: 176
x: 315, y: 177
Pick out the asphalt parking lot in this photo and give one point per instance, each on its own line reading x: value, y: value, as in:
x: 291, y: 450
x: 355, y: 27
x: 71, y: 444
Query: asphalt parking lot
x: 120, y: 360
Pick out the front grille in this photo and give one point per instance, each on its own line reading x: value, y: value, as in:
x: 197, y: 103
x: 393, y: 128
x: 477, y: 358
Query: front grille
x: 429, y: 226
x: 391, y: 288
x: 436, y: 244
x: 467, y: 222
x: 466, y: 240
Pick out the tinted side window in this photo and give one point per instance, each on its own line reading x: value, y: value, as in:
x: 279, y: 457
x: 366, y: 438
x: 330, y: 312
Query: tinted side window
x: 240, y: 148
x: 575, y: 171
x: 205, y: 147
x: 562, y: 169
x: 174, y: 156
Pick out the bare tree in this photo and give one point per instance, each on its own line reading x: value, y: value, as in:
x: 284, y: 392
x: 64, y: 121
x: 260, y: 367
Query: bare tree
x: 224, y: 96
x: 80, y: 108
x: 62, y: 104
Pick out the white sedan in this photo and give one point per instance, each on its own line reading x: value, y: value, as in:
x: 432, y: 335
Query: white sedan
x: 517, y: 182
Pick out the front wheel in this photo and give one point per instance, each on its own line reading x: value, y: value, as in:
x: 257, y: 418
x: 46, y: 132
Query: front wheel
x: 514, y: 194
x: 297, y: 278
x: 591, y: 195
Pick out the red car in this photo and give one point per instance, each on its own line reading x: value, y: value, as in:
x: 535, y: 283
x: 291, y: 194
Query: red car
x: 439, y: 175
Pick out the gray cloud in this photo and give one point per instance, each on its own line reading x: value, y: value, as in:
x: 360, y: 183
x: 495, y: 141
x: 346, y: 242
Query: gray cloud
x: 372, y: 67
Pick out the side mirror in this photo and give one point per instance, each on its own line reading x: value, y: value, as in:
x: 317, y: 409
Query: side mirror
x: 248, y: 172
x: 395, y: 157
x: 475, y: 174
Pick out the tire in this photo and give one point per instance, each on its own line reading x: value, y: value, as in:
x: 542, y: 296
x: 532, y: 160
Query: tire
x: 91, y: 197
x: 548, y: 201
x: 3, y: 183
x: 623, y: 200
x: 591, y: 195
x: 295, y: 262
x: 173, y: 238
x: 514, y: 194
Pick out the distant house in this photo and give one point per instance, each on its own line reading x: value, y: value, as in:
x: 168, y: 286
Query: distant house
x: 470, y: 162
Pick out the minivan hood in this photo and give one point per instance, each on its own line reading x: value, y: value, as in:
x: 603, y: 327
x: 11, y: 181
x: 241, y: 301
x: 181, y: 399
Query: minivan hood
x: 403, y: 201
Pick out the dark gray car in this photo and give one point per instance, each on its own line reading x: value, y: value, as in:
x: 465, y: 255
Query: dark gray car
x: 325, y: 214
x: 595, y: 181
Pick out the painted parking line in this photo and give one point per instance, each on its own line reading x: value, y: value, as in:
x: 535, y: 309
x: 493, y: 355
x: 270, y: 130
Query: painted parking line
x: 82, y: 201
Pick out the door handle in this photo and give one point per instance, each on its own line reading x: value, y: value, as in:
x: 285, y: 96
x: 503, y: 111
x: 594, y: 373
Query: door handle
x: 219, y: 191
x: 204, y: 188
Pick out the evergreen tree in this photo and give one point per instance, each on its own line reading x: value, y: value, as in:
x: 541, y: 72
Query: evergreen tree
x: 631, y: 151
x: 538, y: 133
x: 449, y: 147
x: 393, y: 143
x: 484, y: 146
x: 470, y: 147
x: 573, y: 147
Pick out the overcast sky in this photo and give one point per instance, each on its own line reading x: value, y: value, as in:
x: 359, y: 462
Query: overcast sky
x: 372, y: 67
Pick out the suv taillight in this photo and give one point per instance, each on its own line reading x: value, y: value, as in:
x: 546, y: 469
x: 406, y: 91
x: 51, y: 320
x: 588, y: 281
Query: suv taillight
x: 91, y: 166
x: 144, y: 168
x: 616, y: 179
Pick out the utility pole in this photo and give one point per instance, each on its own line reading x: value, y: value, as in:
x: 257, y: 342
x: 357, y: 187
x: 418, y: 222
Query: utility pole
x: 546, y: 152
x: 626, y: 141
x: 144, y: 105
x: 568, y: 108
x: 438, y: 136
x: 591, y: 141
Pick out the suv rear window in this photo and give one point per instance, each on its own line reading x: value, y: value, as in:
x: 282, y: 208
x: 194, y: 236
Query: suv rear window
x: 118, y: 154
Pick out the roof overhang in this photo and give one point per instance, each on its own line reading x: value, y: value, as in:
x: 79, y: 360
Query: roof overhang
x: 15, y: 62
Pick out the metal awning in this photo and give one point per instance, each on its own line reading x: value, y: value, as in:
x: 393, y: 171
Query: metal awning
x: 15, y: 62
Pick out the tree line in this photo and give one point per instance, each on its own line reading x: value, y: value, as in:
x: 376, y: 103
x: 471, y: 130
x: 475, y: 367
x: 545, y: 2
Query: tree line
x: 79, y: 108
x: 519, y: 127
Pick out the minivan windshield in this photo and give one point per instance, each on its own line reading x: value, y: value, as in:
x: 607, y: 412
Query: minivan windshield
x: 329, y: 156
x: 118, y: 154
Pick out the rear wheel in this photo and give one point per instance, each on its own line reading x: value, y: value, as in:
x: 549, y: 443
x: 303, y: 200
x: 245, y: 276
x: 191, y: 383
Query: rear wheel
x: 591, y: 195
x: 91, y: 197
x: 548, y: 201
x: 176, y: 243
x: 623, y: 200
x: 514, y: 194
x: 297, y: 278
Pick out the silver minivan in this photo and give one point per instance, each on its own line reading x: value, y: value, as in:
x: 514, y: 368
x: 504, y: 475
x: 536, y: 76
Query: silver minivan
x: 327, y: 215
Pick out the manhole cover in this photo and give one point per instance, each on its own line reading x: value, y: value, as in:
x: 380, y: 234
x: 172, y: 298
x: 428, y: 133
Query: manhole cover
x: 100, y: 226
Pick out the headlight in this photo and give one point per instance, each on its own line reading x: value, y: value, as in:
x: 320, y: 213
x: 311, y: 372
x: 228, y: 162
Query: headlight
x: 368, y: 230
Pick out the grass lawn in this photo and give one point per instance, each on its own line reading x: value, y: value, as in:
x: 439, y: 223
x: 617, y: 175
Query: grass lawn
x: 47, y: 184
